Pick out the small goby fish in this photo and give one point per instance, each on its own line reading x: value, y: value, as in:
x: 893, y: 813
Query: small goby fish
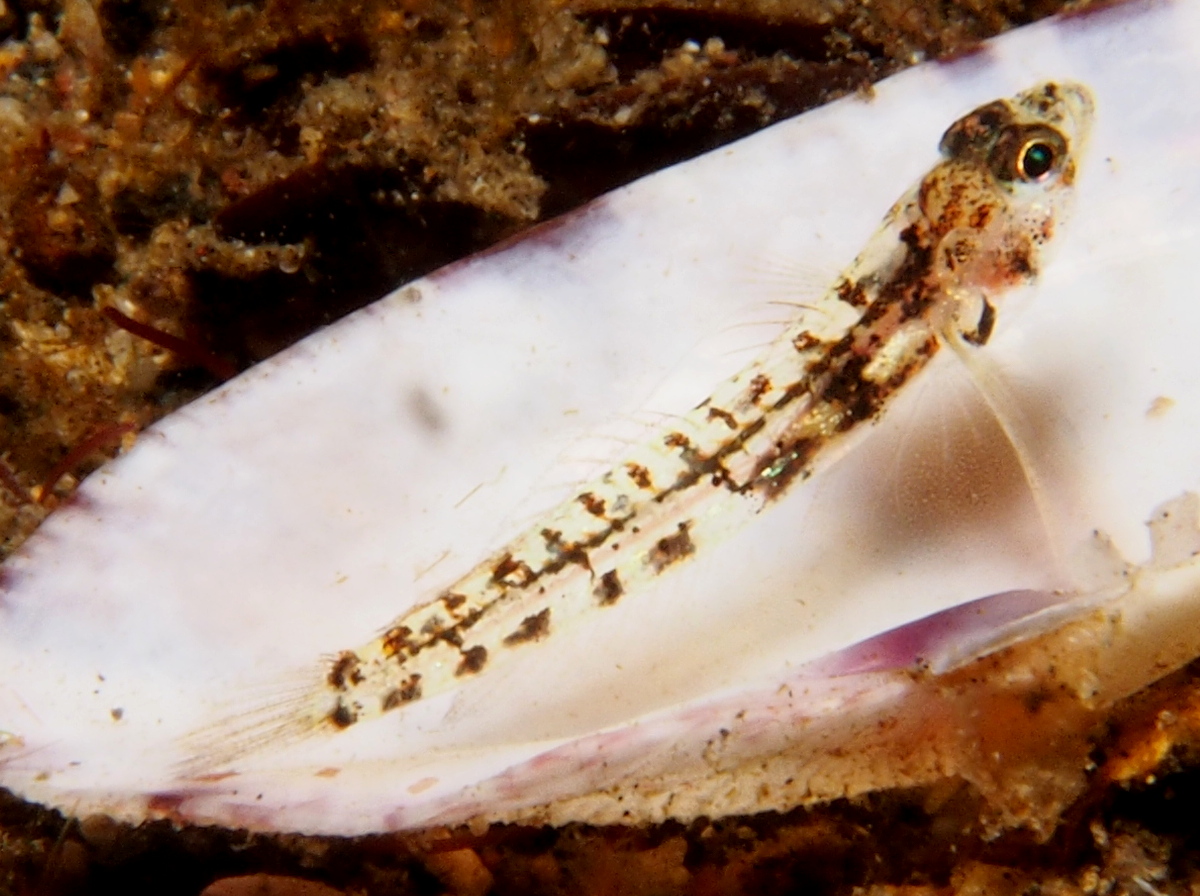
x: 974, y: 226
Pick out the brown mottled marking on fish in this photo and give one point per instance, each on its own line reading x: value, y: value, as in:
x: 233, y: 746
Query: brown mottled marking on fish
x: 594, y: 505
x: 677, y: 440
x: 609, y: 589
x: 532, y: 628
x: 409, y: 690
x: 981, y: 216
x: 759, y: 386
x: 640, y: 476
x: 398, y: 640
x: 671, y: 549
x: 1020, y: 264
x: 724, y: 416
x: 687, y: 451
x: 805, y: 342
x: 563, y: 552
x: 345, y: 671
x: 790, y: 461
x: 852, y: 293
x: 473, y: 659
x: 513, y: 572
x: 341, y: 716
x: 718, y: 475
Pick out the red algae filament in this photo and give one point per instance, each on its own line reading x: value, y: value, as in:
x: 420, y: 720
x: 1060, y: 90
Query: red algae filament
x: 100, y: 438
x: 186, y: 350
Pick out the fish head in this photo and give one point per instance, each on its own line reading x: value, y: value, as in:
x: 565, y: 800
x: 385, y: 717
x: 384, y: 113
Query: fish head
x: 1005, y: 184
x: 1033, y: 139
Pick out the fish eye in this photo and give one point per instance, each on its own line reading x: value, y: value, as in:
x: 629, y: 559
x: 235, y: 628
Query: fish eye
x: 1035, y: 160
x: 1029, y: 153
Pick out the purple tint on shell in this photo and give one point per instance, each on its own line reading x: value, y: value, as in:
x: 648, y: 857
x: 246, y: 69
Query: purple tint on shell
x: 940, y: 640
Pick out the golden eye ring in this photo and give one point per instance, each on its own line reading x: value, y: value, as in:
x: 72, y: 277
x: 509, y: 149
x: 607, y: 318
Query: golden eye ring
x: 1036, y: 160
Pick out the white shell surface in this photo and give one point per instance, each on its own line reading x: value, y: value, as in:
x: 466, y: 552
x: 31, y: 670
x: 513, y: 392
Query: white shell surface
x: 296, y: 511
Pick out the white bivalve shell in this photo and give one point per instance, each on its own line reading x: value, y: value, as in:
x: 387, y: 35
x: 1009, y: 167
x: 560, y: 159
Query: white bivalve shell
x: 296, y: 511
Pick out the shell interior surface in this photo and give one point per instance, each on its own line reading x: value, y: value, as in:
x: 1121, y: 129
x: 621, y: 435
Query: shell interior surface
x: 161, y: 637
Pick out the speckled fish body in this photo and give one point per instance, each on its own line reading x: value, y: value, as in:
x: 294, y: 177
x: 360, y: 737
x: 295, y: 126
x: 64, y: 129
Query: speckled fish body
x: 294, y: 512
x: 975, y: 225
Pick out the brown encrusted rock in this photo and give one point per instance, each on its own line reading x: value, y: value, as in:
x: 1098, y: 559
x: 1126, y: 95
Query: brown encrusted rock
x: 461, y: 872
x: 268, y: 885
